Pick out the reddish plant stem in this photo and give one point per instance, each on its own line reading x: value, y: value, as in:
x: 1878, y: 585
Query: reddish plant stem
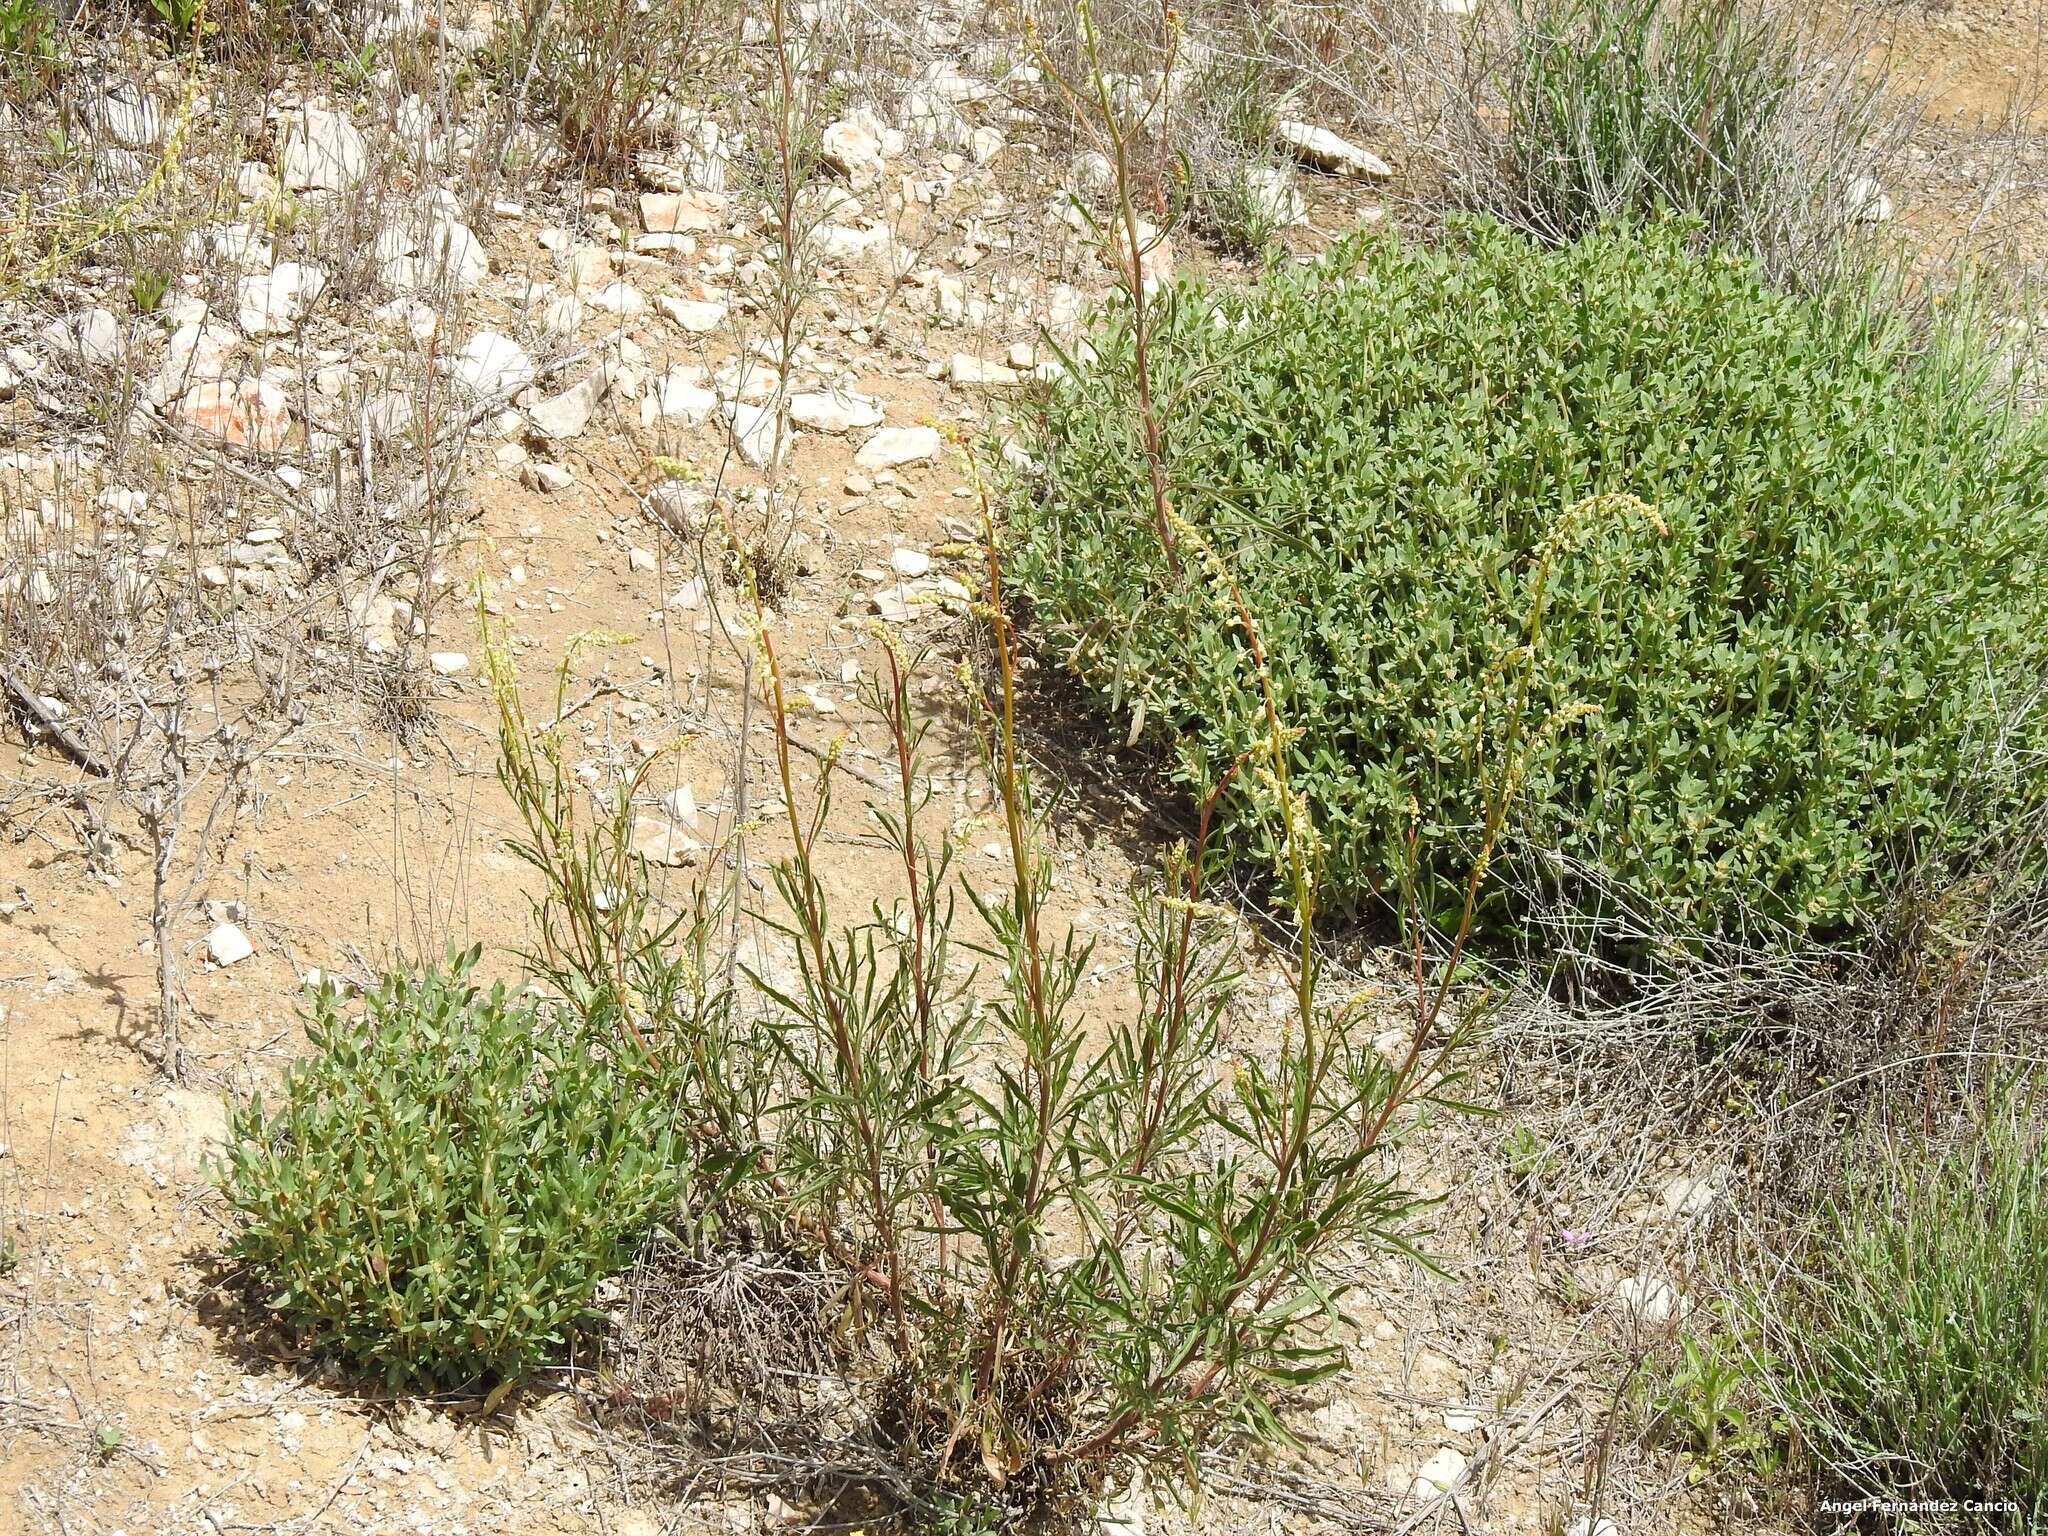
x: 899, y: 730
x: 835, y: 1013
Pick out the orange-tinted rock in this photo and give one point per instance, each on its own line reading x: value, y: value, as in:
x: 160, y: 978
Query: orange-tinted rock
x: 250, y: 413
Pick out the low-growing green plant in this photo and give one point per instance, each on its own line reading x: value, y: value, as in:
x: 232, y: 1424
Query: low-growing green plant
x: 148, y: 288
x: 356, y: 69
x: 1710, y: 1407
x: 181, y: 18
x: 1241, y: 204
x: 443, y: 1182
x: 1812, y: 661
x: 1240, y: 191
x: 1531, y: 1162
x: 27, y: 38
x: 1914, y: 1333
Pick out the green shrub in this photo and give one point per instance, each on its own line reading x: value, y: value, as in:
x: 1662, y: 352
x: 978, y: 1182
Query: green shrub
x: 1757, y: 716
x: 448, y: 1177
x: 1917, y: 1335
x: 1730, y: 111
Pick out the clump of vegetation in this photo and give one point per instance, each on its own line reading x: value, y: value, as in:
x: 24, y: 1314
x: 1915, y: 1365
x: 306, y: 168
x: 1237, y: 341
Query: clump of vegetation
x: 448, y: 1176
x: 147, y: 289
x: 1711, y: 1407
x: 1130, y: 1255
x: 28, y: 45
x: 1725, y: 110
x: 1825, y: 669
x: 609, y: 70
x: 1914, y: 1336
x: 1240, y: 193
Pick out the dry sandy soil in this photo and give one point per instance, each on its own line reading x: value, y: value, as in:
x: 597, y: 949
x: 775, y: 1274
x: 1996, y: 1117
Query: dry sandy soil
x: 138, y: 1391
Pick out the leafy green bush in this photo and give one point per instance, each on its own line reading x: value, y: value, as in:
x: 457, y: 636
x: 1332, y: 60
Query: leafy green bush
x: 1824, y: 669
x: 448, y: 1177
x: 1917, y: 1336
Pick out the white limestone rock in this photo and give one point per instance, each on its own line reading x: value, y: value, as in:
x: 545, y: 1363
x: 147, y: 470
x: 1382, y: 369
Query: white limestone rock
x: 1331, y: 152
x: 491, y: 364
x: 895, y: 446
x: 323, y: 151
x: 274, y: 303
